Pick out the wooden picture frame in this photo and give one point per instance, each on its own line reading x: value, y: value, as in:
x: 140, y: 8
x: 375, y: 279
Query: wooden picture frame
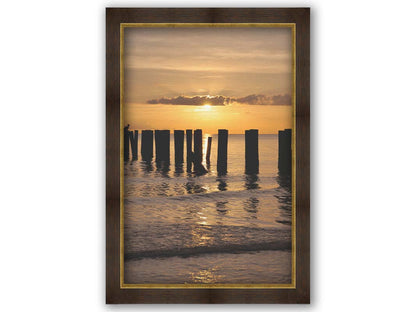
x: 118, y: 292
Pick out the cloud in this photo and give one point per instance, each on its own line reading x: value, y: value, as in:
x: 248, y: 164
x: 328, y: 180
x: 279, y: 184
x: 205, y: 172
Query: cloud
x: 260, y: 99
x: 220, y: 100
x: 217, y: 100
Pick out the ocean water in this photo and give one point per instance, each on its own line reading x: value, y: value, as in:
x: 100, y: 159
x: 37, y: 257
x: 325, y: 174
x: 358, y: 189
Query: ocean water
x: 183, y: 228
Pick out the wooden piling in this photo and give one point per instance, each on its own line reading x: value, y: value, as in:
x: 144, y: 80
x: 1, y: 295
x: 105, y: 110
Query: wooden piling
x: 199, y: 169
x: 208, y: 156
x: 280, y: 152
x: 158, y: 145
x: 285, y: 152
x: 162, y: 138
x: 289, y: 149
x: 197, y: 146
x: 131, y: 140
x: 134, y: 139
x: 165, y: 147
x: 222, y: 151
x: 189, y: 150
x: 126, y: 135
x: 178, y: 139
x: 252, y: 151
x: 147, y: 145
x: 136, y: 143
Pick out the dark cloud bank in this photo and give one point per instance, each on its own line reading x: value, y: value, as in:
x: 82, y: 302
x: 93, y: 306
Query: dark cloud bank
x: 219, y: 100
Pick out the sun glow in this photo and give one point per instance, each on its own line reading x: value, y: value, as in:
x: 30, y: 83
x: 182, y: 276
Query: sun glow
x: 204, y: 108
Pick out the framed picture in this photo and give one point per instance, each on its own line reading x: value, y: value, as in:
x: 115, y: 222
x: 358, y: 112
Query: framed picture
x: 207, y: 155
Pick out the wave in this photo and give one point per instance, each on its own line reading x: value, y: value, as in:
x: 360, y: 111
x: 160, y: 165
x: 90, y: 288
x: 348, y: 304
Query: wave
x: 283, y: 245
x: 276, y: 192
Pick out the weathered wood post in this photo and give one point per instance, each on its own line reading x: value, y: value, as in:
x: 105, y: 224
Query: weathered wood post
x: 189, y: 150
x: 126, y: 136
x: 208, y: 156
x: 162, y: 138
x: 197, y: 155
x: 178, y: 137
x: 131, y: 141
x: 136, y: 144
x: 280, y: 152
x: 222, y: 151
x: 198, y: 146
x: 134, y: 140
x: 252, y: 151
x: 147, y: 145
x: 285, y: 151
x: 158, y: 145
x: 165, y: 147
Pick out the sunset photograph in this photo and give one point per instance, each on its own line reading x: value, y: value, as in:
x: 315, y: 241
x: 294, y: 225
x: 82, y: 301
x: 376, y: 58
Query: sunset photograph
x: 207, y: 117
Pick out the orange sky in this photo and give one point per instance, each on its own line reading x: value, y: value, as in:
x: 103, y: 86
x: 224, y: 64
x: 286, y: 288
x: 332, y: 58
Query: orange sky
x: 208, y: 78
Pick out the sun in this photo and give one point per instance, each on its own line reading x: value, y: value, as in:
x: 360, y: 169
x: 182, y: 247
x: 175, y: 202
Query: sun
x: 204, y: 108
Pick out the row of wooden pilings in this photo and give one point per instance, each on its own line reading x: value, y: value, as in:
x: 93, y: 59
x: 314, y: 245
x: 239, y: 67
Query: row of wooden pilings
x: 195, y: 156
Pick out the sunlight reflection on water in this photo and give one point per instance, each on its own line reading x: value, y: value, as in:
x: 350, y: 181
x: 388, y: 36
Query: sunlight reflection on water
x: 206, y: 276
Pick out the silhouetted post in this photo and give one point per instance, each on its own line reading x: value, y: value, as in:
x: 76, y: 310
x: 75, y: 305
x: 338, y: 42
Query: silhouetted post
x: 134, y: 140
x: 178, y: 137
x: 189, y: 150
x: 165, y: 145
x: 147, y: 145
x: 162, y: 151
x: 280, y: 153
x: 208, y: 157
x: 197, y: 155
x: 131, y: 140
x: 126, y: 142
x: 136, y: 143
x: 198, y: 146
x: 158, y: 145
x: 222, y: 151
x: 252, y: 151
x: 285, y: 151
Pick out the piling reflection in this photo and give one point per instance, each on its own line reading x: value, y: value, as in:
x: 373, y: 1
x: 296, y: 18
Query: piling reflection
x: 285, y: 197
x: 285, y: 181
x: 178, y: 170
x: 222, y: 207
x: 192, y: 187
x: 251, y: 206
x: 163, y: 189
x: 147, y: 189
x: 251, y: 181
x: 163, y: 167
x: 146, y: 166
x: 222, y: 183
x: 188, y: 166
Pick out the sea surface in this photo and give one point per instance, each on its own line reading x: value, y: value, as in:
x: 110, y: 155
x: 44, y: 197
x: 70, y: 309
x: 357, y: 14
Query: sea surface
x: 183, y: 228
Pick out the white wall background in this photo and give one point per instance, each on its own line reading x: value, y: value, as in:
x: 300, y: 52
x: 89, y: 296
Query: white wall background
x: 52, y: 71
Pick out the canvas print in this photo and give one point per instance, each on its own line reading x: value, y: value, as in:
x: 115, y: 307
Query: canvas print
x: 207, y: 150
